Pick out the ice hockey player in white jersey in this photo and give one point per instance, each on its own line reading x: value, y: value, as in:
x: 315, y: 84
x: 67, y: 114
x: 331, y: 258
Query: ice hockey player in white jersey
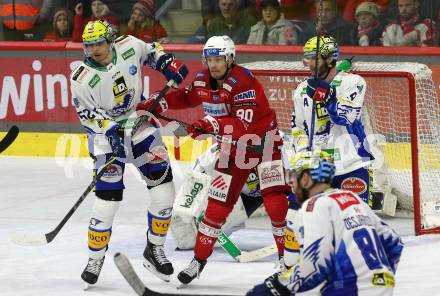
x: 338, y: 127
x: 345, y: 247
x: 106, y: 88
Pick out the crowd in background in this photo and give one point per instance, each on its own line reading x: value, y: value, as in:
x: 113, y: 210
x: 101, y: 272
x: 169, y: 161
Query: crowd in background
x: 277, y: 22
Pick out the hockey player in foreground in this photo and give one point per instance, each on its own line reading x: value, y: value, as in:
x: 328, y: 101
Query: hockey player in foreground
x: 344, y: 245
x: 106, y: 87
x: 237, y: 109
x: 339, y: 129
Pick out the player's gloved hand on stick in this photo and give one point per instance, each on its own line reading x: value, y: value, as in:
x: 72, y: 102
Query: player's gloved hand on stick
x: 320, y: 90
x: 115, y: 138
x: 206, y: 125
x: 271, y: 286
x: 161, y: 107
x: 172, y: 68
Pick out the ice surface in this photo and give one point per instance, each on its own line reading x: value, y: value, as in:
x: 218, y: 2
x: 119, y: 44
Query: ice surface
x: 37, y: 192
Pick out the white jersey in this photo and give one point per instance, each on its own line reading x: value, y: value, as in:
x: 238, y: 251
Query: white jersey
x: 107, y: 95
x: 338, y: 129
x: 345, y: 246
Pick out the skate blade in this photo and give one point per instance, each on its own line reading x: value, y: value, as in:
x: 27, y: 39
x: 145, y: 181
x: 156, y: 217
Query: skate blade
x: 86, y: 286
x: 181, y: 285
x: 153, y: 270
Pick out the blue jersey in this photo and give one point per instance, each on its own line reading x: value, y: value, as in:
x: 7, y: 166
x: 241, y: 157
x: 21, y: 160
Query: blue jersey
x: 344, y: 246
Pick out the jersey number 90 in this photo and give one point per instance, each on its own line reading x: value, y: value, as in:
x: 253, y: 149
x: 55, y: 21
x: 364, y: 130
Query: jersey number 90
x: 245, y: 114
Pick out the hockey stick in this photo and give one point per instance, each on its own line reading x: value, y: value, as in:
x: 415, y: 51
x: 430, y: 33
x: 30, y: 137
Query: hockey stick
x: 315, y: 76
x: 124, y: 266
x: 43, y: 239
x: 9, y: 138
x: 219, y: 138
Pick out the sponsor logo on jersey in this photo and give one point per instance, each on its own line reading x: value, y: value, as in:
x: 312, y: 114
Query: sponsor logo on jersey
x: 200, y: 75
x: 227, y: 87
x: 344, y: 199
x: 199, y: 83
x: 355, y: 185
x: 133, y: 70
x: 128, y: 53
x: 336, y: 83
x: 383, y: 279
x: 76, y: 102
x: 119, y: 90
x: 219, y: 187
x: 113, y: 174
x: 271, y: 174
x: 215, y: 109
x: 197, y: 187
x: 203, y: 93
x: 215, y: 97
x: 311, y: 203
x: 247, y: 95
x: 94, y: 81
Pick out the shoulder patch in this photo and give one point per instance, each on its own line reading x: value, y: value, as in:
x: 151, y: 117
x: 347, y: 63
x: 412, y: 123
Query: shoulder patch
x: 128, y: 53
x: 77, y: 73
x: 227, y: 87
x: 94, y: 81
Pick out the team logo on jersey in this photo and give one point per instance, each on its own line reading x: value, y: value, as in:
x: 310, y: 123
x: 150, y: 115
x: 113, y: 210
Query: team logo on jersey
x: 383, y: 279
x: 215, y: 97
x: 344, y: 199
x: 355, y: 185
x: 219, y: 187
x: 246, y: 95
x: 133, y: 70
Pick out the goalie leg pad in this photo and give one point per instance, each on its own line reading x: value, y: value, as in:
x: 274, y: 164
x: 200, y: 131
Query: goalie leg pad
x: 159, y: 212
x: 100, y: 226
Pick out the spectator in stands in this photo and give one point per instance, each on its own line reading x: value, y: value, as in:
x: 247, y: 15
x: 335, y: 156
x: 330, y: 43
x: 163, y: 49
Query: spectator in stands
x: 368, y: 28
x: 61, y: 27
x: 100, y: 10
x: 331, y: 23
x: 19, y: 19
x: 410, y: 29
x: 210, y: 9
x: 273, y: 28
x: 142, y: 24
x: 232, y: 21
x: 350, y: 7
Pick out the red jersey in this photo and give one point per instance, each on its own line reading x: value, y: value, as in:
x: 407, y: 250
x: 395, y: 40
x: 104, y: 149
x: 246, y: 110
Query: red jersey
x: 240, y: 102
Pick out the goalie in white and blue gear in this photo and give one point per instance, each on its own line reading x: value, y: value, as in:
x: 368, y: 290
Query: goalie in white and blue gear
x: 344, y: 246
x: 106, y: 88
x: 338, y: 126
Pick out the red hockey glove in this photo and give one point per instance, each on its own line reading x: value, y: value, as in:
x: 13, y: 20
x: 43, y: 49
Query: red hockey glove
x: 161, y: 107
x: 172, y: 68
x: 319, y: 90
x: 206, y: 125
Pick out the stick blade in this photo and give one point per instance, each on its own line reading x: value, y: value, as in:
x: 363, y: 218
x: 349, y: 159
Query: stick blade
x: 257, y: 254
x: 29, y: 239
x: 127, y: 271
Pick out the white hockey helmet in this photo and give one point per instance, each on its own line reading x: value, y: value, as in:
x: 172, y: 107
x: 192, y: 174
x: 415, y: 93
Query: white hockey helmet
x: 219, y: 46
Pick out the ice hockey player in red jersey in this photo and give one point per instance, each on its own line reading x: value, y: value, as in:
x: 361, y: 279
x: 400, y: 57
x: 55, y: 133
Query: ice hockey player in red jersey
x: 236, y: 109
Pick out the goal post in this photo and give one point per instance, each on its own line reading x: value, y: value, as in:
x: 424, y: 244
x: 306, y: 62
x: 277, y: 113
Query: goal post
x: 401, y: 105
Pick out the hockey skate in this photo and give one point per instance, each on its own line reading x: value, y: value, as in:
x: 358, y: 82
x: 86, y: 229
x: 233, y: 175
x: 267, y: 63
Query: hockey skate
x: 193, y: 271
x: 156, y: 261
x: 91, y: 272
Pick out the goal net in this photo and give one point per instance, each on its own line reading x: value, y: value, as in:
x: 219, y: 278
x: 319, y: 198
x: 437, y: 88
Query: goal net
x: 401, y: 110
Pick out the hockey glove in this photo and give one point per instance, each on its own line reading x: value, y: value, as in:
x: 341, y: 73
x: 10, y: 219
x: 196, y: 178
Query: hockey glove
x: 271, y: 286
x: 161, y: 107
x: 115, y: 139
x: 319, y: 90
x: 172, y: 68
x: 206, y: 125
